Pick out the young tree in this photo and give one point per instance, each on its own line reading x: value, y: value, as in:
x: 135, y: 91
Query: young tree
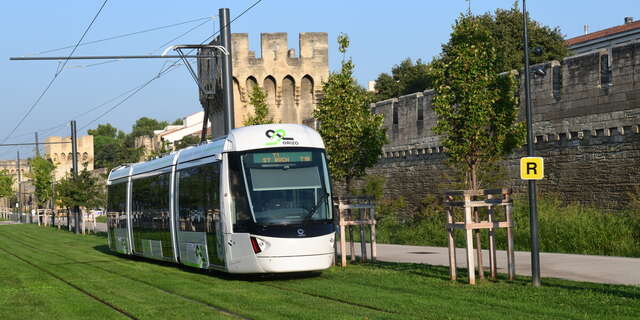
x: 42, y: 176
x: 475, y: 105
x: 353, y: 136
x: 83, y: 191
x: 258, y: 99
x: 6, y: 184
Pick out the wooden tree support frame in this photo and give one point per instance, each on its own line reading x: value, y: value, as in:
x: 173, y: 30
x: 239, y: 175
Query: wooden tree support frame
x: 470, y: 201
x: 356, y: 211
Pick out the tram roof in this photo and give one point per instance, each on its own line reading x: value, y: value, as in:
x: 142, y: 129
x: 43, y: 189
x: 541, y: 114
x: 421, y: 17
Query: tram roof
x: 240, y: 139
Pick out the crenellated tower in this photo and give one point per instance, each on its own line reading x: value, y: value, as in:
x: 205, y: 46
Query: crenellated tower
x: 292, y: 81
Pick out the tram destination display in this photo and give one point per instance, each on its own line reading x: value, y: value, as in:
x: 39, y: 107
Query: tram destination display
x: 281, y: 157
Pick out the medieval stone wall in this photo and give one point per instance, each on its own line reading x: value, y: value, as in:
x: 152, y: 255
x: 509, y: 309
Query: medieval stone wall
x: 586, y: 122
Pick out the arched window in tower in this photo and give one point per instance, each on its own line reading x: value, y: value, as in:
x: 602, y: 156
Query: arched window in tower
x: 251, y: 82
x: 306, y: 97
x: 85, y: 156
x: 289, y: 110
x: 63, y: 157
x: 269, y: 87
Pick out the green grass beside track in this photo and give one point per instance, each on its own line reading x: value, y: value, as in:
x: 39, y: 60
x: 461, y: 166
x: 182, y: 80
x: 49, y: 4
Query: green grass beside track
x: 46, y: 273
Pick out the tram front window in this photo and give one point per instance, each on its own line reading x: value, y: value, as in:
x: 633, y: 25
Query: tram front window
x: 287, y: 187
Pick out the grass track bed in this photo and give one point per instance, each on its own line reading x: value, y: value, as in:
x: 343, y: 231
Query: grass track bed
x: 147, y: 290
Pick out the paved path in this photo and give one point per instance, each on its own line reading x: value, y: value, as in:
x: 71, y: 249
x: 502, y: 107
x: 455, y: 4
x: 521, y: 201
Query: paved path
x: 617, y: 270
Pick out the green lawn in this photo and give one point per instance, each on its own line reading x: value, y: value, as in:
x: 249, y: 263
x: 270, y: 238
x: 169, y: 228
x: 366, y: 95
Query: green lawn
x: 102, y: 219
x: 46, y: 273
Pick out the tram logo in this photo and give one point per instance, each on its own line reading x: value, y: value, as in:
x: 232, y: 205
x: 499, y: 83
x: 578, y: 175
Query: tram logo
x: 301, y: 233
x: 279, y: 137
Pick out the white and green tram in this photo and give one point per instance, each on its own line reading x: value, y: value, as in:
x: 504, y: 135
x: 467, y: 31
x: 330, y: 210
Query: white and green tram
x: 255, y: 201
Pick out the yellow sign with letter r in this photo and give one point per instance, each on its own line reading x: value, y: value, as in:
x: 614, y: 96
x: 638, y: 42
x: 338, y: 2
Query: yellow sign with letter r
x: 531, y: 168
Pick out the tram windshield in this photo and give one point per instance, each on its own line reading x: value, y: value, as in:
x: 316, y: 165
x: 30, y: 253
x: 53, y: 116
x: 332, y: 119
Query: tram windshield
x: 287, y: 186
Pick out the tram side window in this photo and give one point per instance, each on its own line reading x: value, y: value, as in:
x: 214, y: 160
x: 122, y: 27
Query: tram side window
x: 150, y: 211
x: 199, y: 197
x: 116, y: 209
x: 240, y: 211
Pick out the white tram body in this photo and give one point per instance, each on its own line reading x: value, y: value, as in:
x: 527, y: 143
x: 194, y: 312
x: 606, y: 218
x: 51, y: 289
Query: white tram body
x: 255, y: 201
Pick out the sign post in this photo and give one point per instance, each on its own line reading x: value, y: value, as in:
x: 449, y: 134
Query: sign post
x: 533, y: 211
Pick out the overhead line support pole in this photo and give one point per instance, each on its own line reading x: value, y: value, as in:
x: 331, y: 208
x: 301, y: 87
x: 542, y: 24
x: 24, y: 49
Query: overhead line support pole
x: 74, y: 157
x: 533, y: 210
x: 227, y: 71
x: 19, y: 189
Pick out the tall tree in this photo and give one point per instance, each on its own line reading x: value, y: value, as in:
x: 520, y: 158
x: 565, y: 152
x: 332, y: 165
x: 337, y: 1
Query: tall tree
x: 42, y: 176
x: 258, y: 99
x: 405, y: 78
x: 111, y: 147
x: 476, y: 106
x: 352, y: 134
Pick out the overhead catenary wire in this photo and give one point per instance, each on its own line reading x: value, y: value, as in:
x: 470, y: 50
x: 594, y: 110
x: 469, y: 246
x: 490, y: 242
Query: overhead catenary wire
x: 151, y: 52
x: 138, y: 88
x: 126, y: 35
x: 66, y: 123
x: 162, y: 70
x: 55, y: 76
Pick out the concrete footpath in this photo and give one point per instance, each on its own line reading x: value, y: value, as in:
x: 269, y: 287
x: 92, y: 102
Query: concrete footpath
x: 602, y: 269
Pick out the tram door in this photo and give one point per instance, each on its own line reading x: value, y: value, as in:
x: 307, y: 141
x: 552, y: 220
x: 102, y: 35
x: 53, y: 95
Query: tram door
x: 198, y: 208
x: 117, y: 217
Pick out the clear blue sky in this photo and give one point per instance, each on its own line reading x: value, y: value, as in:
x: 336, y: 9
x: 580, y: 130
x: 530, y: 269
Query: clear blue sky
x: 382, y: 34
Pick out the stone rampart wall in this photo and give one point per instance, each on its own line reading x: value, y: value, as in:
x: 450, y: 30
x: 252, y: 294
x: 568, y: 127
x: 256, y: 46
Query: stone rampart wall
x: 586, y: 121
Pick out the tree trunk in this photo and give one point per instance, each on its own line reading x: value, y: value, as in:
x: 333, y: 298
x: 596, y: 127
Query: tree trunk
x: 476, y: 216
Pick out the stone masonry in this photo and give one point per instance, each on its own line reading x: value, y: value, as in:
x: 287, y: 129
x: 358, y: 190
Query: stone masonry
x: 292, y: 82
x: 586, y: 122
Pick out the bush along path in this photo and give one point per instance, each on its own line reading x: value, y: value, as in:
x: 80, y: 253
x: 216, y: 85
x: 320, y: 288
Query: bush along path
x: 46, y: 273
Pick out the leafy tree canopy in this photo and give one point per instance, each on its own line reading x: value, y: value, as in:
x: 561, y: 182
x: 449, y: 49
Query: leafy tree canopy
x: 258, y: 99
x: 406, y: 77
x: 506, y: 29
x: 353, y: 136
x: 145, y: 127
x: 177, y: 122
x: 476, y: 106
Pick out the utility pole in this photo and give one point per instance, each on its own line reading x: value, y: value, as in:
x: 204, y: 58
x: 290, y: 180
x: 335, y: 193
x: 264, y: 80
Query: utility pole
x: 533, y: 210
x: 227, y: 71
x: 19, y: 190
x: 37, y: 147
x: 74, y: 170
